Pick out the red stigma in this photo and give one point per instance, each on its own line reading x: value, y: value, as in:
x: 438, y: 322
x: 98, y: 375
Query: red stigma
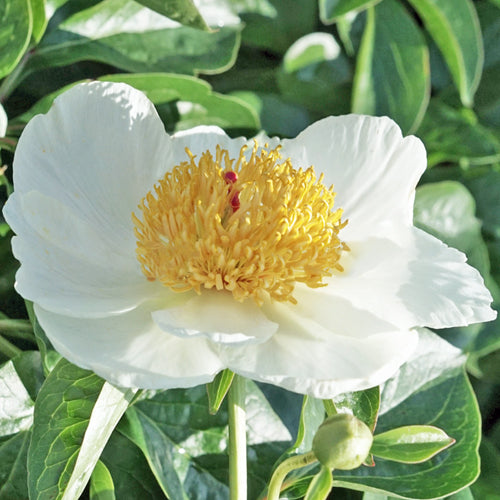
x: 235, y: 201
x: 231, y: 177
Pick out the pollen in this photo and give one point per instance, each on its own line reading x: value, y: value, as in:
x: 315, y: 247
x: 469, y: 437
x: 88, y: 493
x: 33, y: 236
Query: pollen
x: 254, y: 226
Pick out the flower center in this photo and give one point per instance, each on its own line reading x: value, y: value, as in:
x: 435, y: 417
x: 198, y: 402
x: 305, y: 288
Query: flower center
x: 254, y: 227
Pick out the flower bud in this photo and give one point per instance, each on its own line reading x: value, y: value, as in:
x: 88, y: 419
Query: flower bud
x: 342, y: 442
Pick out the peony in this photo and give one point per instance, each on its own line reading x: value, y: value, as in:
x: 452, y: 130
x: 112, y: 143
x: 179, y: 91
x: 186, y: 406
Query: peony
x: 157, y: 261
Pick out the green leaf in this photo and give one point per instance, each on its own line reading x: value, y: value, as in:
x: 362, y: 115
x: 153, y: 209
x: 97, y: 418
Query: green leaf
x: 454, y: 26
x: 320, y: 486
x: 362, y: 404
x: 29, y: 367
x: 310, y: 49
x: 182, y: 11
x: 108, y: 409
x: 344, y: 25
x: 126, y: 35
x: 50, y: 357
x: 487, y: 366
x: 101, y: 483
x: 461, y: 495
x: 267, y: 438
x: 411, y: 444
x: 392, y: 44
x: 488, y: 484
x: 53, y: 5
x: 486, y: 191
x: 331, y: 10
x: 16, y: 405
x: 486, y: 342
x: 207, y: 107
x: 316, y: 74
x: 186, y: 447
x: 465, y: 494
x: 9, y: 264
x: 197, y: 103
x: 454, y: 135
x: 277, y: 25
x: 494, y: 251
x: 217, y: 390
x: 15, y: 32
x: 4, y: 227
x: 375, y: 496
x: 277, y: 116
x: 430, y: 389
x: 131, y: 474
x: 311, y: 417
x: 162, y: 441
x: 447, y: 210
x: 489, y: 20
x: 39, y: 19
x: 487, y: 98
x: 75, y: 413
x: 13, y: 456
x: 41, y: 107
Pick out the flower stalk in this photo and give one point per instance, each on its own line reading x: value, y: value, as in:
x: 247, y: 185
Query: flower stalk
x: 237, y: 440
x: 285, y: 467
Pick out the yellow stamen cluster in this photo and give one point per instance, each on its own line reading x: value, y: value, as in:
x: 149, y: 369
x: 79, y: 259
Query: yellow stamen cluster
x: 283, y: 229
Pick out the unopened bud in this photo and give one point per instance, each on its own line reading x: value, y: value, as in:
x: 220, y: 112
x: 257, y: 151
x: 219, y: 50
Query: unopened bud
x: 342, y: 442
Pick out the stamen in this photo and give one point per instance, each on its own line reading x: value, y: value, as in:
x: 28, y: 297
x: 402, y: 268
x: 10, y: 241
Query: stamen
x: 251, y: 226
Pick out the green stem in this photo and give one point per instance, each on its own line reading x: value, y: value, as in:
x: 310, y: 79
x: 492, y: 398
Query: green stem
x: 8, y: 349
x: 237, y: 440
x: 11, y: 81
x: 290, y: 464
x: 8, y: 143
x: 329, y: 407
x: 17, y: 328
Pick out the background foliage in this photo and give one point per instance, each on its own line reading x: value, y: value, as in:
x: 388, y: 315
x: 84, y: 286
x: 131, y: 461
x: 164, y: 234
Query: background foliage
x: 432, y: 65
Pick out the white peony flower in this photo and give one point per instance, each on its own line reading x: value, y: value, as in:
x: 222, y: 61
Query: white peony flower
x: 159, y: 260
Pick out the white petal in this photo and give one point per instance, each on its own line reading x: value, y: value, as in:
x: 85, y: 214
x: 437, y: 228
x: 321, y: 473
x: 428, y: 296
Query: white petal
x: 98, y: 151
x: 337, y: 314
x: 305, y: 357
x: 59, y: 226
x: 3, y: 121
x: 373, y: 168
x: 218, y: 317
x: 202, y: 138
x: 67, y: 265
x: 422, y: 283
x: 443, y: 290
x: 130, y: 350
